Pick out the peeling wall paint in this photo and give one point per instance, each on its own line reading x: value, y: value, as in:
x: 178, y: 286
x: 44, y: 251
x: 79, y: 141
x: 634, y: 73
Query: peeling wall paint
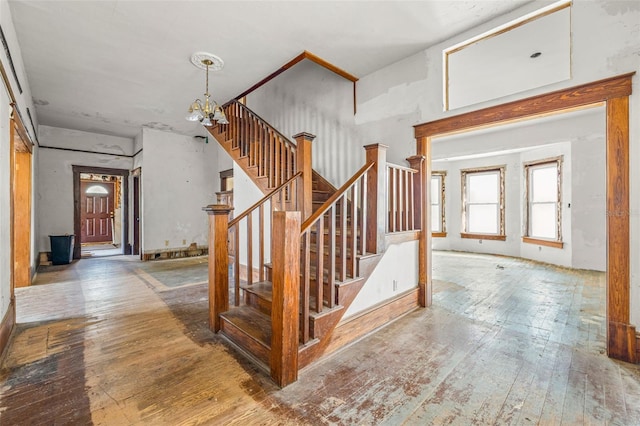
x: 309, y: 98
x: 605, y: 43
x: 179, y: 177
x: 54, y: 185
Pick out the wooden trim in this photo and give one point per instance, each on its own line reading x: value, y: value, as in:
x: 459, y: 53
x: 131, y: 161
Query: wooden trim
x: 401, y: 237
x: 6, y: 328
x: 490, y: 34
x: 439, y: 234
x: 318, y: 60
x: 21, y: 129
x: 218, y: 263
x: 286, y: 298
x: 304, y: 55
x: 506, y: 28
x: 535, y: 106
x: 363, y: 323
x: 483, y: 236
x: 615, y: 92
x: 540, y: 242
x: 618, y: 256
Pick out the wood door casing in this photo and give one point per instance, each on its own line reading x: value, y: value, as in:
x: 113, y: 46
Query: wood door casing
x: 97, y: 211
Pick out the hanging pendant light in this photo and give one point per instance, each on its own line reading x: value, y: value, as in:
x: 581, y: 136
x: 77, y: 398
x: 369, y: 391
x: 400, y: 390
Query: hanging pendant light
x: 209, y: 112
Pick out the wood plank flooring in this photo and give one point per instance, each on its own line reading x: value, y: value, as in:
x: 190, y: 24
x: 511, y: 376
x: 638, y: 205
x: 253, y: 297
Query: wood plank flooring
x: 115, y: 341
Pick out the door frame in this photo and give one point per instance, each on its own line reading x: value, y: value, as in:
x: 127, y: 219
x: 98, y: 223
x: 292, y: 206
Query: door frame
x: 614, y: 94
x: 137, y: 218
x: 77, y: 170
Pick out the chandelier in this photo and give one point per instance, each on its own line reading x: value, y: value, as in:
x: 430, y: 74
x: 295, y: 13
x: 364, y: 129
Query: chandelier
x: 210, y: 111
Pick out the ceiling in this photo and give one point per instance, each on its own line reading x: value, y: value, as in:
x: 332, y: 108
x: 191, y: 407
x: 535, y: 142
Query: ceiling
x: 112, y: 67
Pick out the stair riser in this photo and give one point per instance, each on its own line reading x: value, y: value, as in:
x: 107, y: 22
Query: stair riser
x: 245, y: 341
x: 257, y: 302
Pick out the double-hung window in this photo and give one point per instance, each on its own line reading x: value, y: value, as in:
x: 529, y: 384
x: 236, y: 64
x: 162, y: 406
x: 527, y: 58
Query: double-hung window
x: 438, y: 221
x: 483, y: 203
x: 543, y: 188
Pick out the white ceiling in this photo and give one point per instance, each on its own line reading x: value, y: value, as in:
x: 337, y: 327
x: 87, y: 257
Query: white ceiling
x: 114, y: 66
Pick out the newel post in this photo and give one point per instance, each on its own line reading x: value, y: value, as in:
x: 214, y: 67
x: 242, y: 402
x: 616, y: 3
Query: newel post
x: 376, y: 197
x: 415, y: 162
x: 423, y: 148
x: 285, y: 258
x: 303, y: 160
x: 218, y: 262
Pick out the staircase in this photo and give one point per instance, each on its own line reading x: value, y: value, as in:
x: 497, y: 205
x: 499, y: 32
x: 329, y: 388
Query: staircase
x: 294, y: 275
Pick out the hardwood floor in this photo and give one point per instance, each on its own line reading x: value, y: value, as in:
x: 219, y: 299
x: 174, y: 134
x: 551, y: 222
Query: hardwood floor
x: 115, y: 341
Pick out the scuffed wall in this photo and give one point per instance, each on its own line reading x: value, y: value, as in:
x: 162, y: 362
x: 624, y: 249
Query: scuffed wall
x: 309, y: 98
x: 410, y: 92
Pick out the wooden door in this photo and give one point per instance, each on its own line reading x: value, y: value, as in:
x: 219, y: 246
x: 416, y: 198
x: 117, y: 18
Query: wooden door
x: 21, y: 202
x: 96, y: 212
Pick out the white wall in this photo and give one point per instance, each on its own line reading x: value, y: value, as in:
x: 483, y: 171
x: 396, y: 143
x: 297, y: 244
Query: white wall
x: 55, y: 173
x: 310, y: 98
x: 179, y: 177
x: 23, y: 100
x: 409, y: 92
x: 5, y: 200
x: 388, y: 280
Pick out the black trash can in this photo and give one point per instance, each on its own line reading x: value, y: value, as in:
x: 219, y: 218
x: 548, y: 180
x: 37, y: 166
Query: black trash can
x: 61, y: 249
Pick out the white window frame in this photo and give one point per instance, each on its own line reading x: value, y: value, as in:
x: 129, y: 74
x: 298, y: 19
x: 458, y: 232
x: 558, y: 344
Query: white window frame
x: 439, y: 201
x: 528, y: 168
x: 464, y: 174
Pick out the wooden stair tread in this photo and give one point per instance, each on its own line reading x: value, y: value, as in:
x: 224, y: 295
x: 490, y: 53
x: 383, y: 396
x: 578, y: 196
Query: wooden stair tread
x: 263, y: 289
x: 252, y: 322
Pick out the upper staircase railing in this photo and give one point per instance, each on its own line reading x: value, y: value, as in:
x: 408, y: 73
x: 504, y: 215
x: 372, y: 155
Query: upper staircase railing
x: 264, y: 147
x: 403, y: 214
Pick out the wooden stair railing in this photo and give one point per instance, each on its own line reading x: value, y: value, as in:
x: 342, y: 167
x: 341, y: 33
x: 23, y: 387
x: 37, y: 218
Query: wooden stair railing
x: 283, y: 198
x: 258, y: 145
x: 403, y: 214
x: 337, y: 229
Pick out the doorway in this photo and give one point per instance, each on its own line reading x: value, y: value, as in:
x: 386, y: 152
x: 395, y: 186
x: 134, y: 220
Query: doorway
x: 614, y: 94
x: 101, y: 225
x: 21, y: 204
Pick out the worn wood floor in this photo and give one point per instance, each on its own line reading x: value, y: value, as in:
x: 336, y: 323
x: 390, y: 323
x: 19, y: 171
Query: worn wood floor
x: 114, y: 341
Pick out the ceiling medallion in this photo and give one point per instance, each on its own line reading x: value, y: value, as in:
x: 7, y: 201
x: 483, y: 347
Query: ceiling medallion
x: 202, y: 59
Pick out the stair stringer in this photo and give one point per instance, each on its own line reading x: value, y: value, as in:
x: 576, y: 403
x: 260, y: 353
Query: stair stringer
x: 337, y: 333
x: 260, y: 181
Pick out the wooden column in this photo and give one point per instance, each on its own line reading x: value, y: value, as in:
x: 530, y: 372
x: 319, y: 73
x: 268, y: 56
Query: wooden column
x: 620, y: 334
x: 303, y: 160
x: 376, y: 197
x: 286, y: 297
x: 218, y: 262
x: 415, y: 162
x: 423, y: 150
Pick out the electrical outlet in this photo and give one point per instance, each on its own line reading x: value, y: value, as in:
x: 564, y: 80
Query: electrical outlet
x: 166, y: 243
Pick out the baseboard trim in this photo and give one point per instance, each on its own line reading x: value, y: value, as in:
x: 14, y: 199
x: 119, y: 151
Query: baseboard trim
x: 6, y: 328
x: 190, y: 251
x: 622, y: 342
x: 360, y: 325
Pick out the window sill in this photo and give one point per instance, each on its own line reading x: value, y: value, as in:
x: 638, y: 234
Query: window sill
x: 484, y: 237
x: 438, y: 234
x: 540, y: 242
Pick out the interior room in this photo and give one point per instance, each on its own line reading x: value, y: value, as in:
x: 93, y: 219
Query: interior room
x: 356, y: 212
